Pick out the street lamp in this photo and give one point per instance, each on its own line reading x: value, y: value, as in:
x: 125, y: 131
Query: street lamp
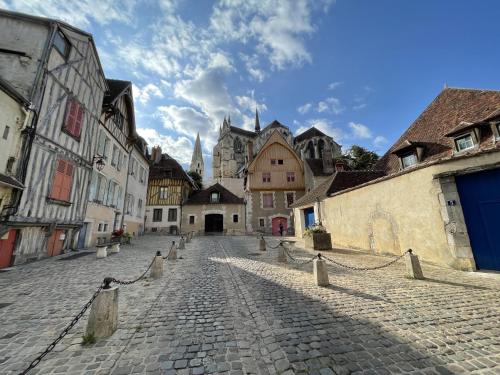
x: 99, y: 162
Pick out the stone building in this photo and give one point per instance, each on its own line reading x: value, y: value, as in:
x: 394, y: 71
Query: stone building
x: 14, y: 116
x: 197, y: 158
x: 214, y: 210
x: 169, y: 187
x: 440, y: 191
x: 274, y: 181
x: 55, y: 66
x: 136, y: 190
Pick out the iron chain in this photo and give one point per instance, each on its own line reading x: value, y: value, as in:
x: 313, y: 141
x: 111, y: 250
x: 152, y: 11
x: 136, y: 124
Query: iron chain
x: 299, y: 263
x: 109, y: 280
x: 52, y: 345
x: 365, y: 268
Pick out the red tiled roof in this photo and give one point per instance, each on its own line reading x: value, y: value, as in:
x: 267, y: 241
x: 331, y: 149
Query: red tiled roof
x: 448, y: 110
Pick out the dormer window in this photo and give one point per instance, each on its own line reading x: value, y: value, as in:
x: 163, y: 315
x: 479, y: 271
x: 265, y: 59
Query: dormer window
x: 61, y: 44
x: 409, y: 160
x: 464, y: 142
x: 214, y: 197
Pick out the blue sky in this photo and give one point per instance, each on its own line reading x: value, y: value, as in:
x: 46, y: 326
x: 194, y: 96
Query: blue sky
x: 360, y: 70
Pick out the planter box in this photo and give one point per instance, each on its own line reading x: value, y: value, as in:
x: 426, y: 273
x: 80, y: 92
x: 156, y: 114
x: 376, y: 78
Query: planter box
x: 318, y: 241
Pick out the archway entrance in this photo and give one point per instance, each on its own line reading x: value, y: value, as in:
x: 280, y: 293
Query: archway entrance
x: 276, y: 225
x: 214, y: 223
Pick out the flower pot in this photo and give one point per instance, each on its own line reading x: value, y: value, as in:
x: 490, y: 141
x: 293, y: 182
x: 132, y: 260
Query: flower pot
x: 319, y: 241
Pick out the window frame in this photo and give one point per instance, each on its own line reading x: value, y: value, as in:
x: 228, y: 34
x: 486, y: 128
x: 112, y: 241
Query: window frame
x: 73, y: 122
x: 264, y: 200
x: 287, y: 193
x: 404, y: 157
x: 191, y: 222
x: 67, y: 50
x: 157, y: 218
x: 163, y: 189
x: 215, y: 197
x: 172, y: 218
x: 262, y: 222
x: 290, y: 176
x: 266, y: 177
x: 6, y: 132
x: 62, y: 181
x: 237, y: 217
x: 463, y: 136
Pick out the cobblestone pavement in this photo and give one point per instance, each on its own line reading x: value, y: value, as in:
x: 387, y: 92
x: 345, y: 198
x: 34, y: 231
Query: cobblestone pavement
x: 227, y: 308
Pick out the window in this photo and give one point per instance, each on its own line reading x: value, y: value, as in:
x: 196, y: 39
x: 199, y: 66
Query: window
x: 107, y: 141
x: 119, y: 161
x: 276, y: 161
x: 63, y: 178
x: 119, y: 119
x: 273, y: 162
x: 73, y: 118
x: 105, y: 228
x: 62, y: 45
x: 110, y: 199
x: 157, y: 214
x: 266, y: 177
x: 10, y: 164
x: 99, y: 228
x: 290, y: 176
x: 172, y: 214
x: 114, y: 156
x: 6, y: 132
x: 100, y: 143
x: 235, y: 218
x: 409, y: 160
x: 498, y: 130
x: 163, y: 192
x: 280, y: 161
x: 191, y: 219
x: 261, y: 223
x: 139, y: 207
x: 154, y: 229
x: 133, y: 167
x: 267, y: 200
x: 289, y: 199
x: 141, y: 175
x: 464, y: 143
x: 214, y: 197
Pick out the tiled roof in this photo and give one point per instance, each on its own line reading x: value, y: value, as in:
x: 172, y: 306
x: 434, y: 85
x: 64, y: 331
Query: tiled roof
x: 448, y: 110
x: 116, y: 87
x: 167, y: 167
x: 203, y: 196
x: 337, y: 182
x: 274, y: 124
x: 10, y: 181
x: 248, y: 133
x: 309, y: 133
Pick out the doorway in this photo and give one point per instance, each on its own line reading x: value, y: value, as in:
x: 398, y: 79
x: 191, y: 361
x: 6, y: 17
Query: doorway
x: 276, y: 225
x: 7, y: 248
x: 214, y: 223
x: 55, y: 242
x: 82, y: 236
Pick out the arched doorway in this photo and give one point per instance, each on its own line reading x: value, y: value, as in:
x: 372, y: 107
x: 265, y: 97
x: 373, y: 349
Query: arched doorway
x: 276, y: 225
x: 214, y: 223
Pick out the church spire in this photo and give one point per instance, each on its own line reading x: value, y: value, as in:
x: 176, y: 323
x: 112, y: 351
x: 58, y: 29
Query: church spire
x: 197, y: 158
x: 257, y: 122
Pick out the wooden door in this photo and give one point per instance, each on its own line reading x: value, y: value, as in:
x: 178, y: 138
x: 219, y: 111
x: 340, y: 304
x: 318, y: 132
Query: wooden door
x: 7, y: 248
x: 276, y: 225
x: 55, y: 243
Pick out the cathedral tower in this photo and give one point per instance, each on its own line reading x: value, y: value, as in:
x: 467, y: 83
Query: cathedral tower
x: 197, y: 159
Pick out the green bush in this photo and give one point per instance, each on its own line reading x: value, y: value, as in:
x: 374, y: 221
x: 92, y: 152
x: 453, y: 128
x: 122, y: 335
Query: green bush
x: 314, y: 229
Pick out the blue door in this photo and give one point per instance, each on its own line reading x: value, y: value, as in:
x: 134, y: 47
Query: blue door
x: 480, y: 198
x: 309, y: 217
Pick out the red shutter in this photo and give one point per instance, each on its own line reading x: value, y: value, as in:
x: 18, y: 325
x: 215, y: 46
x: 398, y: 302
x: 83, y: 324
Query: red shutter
x: 58, y: 181
x: 79, y: 120
x: 67, y: 182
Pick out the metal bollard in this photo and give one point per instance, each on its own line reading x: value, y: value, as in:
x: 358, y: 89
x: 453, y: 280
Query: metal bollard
x: 181, y: 243
x: 281, y: 253
x: 262, y: 244
x: 102, y: 252
x: 320, y: 272
x: 103, y: 317
x: 413, y: 269
x: 172, y: 255
x: 157, y: 266
x: 188, y: 237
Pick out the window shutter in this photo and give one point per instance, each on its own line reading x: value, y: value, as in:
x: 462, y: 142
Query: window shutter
x: 67, y: 182
x: 58, y: 180
x: 78, y: 120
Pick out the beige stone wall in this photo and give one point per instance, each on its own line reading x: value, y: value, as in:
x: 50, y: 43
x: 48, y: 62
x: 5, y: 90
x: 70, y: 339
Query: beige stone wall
x: 98, y: 214
x: 227, y: 210
x: 134, y: 221
x: 408, y: 211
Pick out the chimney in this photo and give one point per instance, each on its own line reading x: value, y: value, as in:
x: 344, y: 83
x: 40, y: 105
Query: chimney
x: 156, y: 154
x: 327, y: 160
x: 250, y: 151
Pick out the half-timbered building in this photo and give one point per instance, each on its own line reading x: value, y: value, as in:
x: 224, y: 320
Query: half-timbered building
x: 114, y: 143
x: 168, y: 189
x: 56, y: 67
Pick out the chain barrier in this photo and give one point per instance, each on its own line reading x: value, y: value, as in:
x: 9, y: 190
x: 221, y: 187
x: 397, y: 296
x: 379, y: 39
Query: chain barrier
x: 272, y: 247
x: 106, y: 284
x: 365, y: 268
x: 169, y: 251
x: 296, y: 261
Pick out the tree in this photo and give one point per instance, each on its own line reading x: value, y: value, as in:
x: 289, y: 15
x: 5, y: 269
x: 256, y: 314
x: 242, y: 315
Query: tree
x: 198, y: 180
x: 359, y: 158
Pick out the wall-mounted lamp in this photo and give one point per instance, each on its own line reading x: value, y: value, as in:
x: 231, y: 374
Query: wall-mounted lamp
x: 99, y: 162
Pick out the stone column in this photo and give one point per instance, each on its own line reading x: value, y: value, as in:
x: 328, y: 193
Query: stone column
x: 103, y: 317
x: 281, y: 254
x: 320, y: 272
x: 262, y: 244
x: 413, y: 269
x: 102, y: 252
x: 157, y: 267
x: 181, y: 243
x: 172, y: 255
x: 115, y: 248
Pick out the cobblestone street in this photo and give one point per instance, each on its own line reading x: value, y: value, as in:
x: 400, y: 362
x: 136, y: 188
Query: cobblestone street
x: 225, y: 307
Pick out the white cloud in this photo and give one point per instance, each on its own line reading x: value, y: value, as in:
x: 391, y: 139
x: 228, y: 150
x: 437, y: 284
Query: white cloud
x: 146, y: 93
x: 359, y: 106
x: 325, y: 126
x: 334, y: 85
x: 304, y: 108
x: 248, y: 103
x: 380, y: 141
x: 252, y: 66
x: 78, y: 13
x: 330, y: 105
x: 360, y: 131
x: 180, y: 148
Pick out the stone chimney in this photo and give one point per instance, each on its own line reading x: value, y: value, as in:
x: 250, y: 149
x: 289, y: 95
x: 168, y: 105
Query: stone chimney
x: 250, y: 151
x: 327, y: 160
x: 156, y: 154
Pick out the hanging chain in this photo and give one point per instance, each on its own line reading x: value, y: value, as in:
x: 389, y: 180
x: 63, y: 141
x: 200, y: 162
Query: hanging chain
x: 109, y: 280
x: 299, y: 263
x: 66, y: 330
x: 366, y: 268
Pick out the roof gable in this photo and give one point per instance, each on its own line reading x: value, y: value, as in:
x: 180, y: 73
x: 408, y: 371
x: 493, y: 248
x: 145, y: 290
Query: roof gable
x: 203, y: 196
x: 309, y: 133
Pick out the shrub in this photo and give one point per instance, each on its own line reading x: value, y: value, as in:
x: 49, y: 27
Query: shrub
x: 314, y: 229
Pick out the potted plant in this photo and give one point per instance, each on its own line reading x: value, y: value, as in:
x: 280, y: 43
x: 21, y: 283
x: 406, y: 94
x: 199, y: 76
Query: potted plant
x: 317, y: 238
